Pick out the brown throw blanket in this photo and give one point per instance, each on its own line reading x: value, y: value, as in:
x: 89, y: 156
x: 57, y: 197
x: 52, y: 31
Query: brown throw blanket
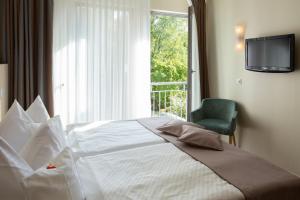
x: 256, y: 178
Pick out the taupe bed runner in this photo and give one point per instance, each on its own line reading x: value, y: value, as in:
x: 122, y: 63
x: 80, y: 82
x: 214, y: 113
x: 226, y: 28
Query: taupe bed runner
x: 256, y: 178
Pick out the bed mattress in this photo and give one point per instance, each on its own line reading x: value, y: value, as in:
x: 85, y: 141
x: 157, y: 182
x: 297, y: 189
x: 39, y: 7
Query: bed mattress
x: 109, y: 136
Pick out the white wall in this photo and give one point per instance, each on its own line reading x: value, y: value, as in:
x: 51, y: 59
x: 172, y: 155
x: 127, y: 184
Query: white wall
x: 269, y: 114
x: 180, y: 6
x: 3, y: 89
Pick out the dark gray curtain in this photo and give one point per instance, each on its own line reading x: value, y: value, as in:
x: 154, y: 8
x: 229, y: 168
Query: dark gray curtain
x: 200, y: 13
x: 3, y: 57
x: 29, y: 27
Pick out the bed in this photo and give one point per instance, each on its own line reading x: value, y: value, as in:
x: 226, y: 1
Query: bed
x: 126, y: 160
x: 173, y: 170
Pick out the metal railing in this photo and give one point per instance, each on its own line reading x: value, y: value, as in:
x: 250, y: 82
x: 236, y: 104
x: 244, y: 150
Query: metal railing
x: 169, y: 99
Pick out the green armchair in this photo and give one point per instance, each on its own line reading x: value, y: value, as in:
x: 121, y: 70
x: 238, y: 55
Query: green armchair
x: 218, y: 115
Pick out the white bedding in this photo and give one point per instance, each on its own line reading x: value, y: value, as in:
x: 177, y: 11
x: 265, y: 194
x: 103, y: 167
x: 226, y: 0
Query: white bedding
x: 108, y: 136
x: 153, y: 172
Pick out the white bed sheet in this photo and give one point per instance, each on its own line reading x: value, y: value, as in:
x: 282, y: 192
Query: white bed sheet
x: 108, y: 136
x: 153, y: 172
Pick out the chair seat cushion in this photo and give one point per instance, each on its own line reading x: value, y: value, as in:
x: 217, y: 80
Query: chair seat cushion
x: 218, y: 125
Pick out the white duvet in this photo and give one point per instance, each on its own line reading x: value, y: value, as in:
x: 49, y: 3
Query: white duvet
x: 108, y: 136
x: 153, y: 172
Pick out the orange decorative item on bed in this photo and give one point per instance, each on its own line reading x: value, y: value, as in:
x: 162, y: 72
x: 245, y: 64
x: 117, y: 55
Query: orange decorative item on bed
x: 51, y: 166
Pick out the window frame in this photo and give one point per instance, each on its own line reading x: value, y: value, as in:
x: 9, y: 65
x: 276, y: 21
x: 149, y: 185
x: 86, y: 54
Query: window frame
x: 169, y: 13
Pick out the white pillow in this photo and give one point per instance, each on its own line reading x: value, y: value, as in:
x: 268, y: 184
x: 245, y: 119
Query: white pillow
x: 37, y: 111
x: 61, y: 183
x: 16, y: 127
x: 12, y: 171
x: 45, y: 143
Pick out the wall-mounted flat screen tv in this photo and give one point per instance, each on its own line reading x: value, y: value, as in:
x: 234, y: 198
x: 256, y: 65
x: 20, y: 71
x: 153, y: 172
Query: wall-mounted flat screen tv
x: 271, y: 54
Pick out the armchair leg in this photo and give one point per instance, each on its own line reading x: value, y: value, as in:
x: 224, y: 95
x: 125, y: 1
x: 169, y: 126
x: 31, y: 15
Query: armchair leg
x: 232, y: 140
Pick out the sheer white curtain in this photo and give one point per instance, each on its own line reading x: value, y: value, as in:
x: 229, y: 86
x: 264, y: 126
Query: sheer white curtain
x: 196, y: 95
x: 101, y: 59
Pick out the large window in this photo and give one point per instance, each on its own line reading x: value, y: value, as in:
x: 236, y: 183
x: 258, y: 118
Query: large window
x: 169, y: 54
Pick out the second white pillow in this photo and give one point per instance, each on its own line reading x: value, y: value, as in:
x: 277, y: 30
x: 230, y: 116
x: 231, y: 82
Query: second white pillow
x: 37, y: 111
x: 45, y: 143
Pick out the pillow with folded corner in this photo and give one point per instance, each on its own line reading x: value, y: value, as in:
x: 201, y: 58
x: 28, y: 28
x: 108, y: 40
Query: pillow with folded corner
x: 174, y: 127
x: 56, y: 180
x: 16, y: 127
x: 37, y: 111
x: 201, y: 137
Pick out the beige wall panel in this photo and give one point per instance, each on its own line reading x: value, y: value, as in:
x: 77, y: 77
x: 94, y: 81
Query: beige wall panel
x: 180, y: 6
x: 3, y: 90
x: 269, y: 119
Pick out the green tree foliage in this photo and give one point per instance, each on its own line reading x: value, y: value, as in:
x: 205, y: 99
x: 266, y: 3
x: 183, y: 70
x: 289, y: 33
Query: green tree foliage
x: 169, y: 43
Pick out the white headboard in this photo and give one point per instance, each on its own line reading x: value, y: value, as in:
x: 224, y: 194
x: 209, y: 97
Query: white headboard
x: 3, y: 90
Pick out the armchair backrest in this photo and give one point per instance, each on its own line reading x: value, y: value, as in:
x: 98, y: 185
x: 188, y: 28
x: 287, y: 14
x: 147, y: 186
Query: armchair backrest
x: 219, y: 108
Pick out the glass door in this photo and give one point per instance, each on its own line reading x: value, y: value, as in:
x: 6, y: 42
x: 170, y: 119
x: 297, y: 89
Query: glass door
x: 169, y: 65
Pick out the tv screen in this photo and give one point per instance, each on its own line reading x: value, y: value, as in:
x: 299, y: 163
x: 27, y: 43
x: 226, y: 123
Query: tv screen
x: 270, y: 54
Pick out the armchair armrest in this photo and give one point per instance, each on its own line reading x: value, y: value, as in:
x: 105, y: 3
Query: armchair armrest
x: 197, y: 115
x: 234, y: 116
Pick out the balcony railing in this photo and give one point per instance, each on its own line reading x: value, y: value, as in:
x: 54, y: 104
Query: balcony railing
x: 169, y: 99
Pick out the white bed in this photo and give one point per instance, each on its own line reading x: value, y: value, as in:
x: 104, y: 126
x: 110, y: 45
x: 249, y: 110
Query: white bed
x: 153, y: 172
x: 108, y: 136
x: 123, y: 160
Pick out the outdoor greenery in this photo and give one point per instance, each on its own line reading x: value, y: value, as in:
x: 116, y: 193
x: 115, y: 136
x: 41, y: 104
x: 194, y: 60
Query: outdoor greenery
x: 169, y: 49
x: 169, y: 43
